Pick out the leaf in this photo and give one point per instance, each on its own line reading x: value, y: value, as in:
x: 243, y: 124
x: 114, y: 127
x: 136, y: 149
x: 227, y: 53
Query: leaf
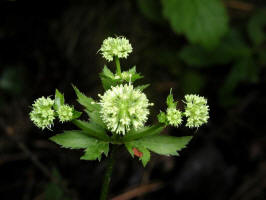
x: 144, y: 132
x: 95, y: 151
x: 59, y: 99
x: 256, y: 27
x: 202, y: 21
x: 76, y: 114
x: 92, y: 130
x: 86, y: 101
x: 162, y: 117
x: 142, y: 152
x: 142, y: 87
x: 165, y: 145
x: 73, y: 139
x: 108, y: 78
x: 107, y: 72
x: 232, y: 48
x: 170, y: 100
x: 94, y: 117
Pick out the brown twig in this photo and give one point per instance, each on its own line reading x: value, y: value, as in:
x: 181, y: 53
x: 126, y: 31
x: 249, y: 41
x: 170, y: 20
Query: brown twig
x: 138, y: 191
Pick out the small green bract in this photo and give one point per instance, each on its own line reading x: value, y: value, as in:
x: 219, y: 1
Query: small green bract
x: 42, y: 114
x: 65, y: 113
x: 174, y: 116
x: 124, y: 108
x: 118, y: 46
x: 196, y: 111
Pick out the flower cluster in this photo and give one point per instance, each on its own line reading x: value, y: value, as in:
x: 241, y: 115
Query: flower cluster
x: 42, y: 114
x: 174, y: 116
x: 65, y: 113
x: 124, y: 108
x: 196, y: 111
x: 118, y: 46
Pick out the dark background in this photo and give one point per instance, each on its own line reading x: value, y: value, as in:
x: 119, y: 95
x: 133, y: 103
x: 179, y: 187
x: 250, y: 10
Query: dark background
x: 50, y: 44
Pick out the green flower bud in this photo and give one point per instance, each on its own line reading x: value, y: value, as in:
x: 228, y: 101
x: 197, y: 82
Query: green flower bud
x: 124, y: 108
x: 65, y: 113
x: 118, y: 46
x: 174, y: 116
x: 196, y: 110
x: 42, y: 114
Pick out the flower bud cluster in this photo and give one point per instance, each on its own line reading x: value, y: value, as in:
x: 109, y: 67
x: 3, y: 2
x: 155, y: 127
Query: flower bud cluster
x: 196, y: 110
x: 43, y: 113
x: 124, y: 108
x: 118, y: 46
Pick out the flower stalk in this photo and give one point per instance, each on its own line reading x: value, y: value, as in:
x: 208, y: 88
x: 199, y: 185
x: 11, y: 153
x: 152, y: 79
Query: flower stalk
x: 118, y: 68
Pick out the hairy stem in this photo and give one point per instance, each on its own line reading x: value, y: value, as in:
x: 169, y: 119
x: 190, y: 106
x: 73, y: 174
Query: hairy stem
x: 108, y: 173
x: 118, y: 68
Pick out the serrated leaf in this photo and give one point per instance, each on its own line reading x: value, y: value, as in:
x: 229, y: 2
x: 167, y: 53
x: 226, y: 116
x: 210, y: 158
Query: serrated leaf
x: 144, y: 132
x: 94, y: 117
x: 92, y: 129
x: 107, y: 82
x: 73, y: 139
x: 107, y: 72
x: 59, y: 99
x: 95, y: 151
x: 202, y: 21
x: 86, y: 101
x: 76, y: 114
x: 142, y: 87
x: 144, y: 153
x: 165, y: 145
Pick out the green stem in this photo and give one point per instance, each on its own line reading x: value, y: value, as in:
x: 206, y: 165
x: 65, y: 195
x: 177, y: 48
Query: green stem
x: 118, y: 68
x: 108, y: 173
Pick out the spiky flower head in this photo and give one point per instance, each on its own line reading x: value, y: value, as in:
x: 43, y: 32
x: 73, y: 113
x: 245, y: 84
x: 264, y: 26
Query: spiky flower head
x: 174, y: 116
x: 65, y: 113
x: 42, y: 114
x: 118, y: 46
x: 196, y: 110
x: 124, y: 108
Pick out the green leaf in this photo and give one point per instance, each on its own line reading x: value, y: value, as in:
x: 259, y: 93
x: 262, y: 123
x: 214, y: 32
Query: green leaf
x: 86, y: 101
x: 162, y: 117
x: 92, y: 130
x: 142, y: 87
x: 94, y: 117
x: 108, y: 78
x: 170, y: 100
x: 95, y: 151
x: 165, y: 145
x: 202, y: 21
x: 145, y: 154
x: 59, y: 99
x: 73, y: 139
x: 256, y: 27
x: 107, y: 72
x: 144, y: 132
x: 232, y: 48
x: 76, y: 114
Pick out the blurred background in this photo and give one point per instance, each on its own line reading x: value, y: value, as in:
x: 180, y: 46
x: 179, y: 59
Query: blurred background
x: 211, y: 47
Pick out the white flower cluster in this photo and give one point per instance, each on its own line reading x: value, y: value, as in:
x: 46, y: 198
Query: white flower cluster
x: 174, y: 116
x: 42, y: 114
x: 196, y: 111
x: 118, y: 46
x: 65, y: 113
x: 124, y: 108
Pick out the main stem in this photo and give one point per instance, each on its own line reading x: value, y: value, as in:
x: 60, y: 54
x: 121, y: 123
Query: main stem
x: 118, y: 68
x: 108, y: 173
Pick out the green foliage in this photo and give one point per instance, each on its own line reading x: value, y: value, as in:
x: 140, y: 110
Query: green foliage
x: 202, y: 21
x: 256, y: 27
x: 59, y: 99
x: 92, y: 129
x: 95, y: 151
x: 138, y: 148
x: 151, y: 9
x: 164, y: 145
x: 170, y: 100
x: 144, y: 132
x: 87, y: 102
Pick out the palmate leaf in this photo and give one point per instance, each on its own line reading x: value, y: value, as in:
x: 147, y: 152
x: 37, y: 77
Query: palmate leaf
x: 87, y: 102
x: 202, y: 21
x: 92, y: 130
x: 80, y: 140
x: 144, y: 132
